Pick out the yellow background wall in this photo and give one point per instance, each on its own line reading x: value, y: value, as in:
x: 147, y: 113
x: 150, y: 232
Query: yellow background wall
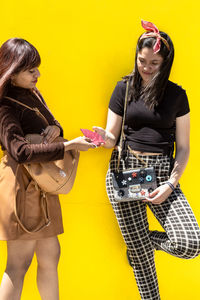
x: 86, y: 47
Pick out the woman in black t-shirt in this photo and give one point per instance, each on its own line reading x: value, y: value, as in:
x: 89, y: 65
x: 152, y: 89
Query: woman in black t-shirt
x: 157, y: 117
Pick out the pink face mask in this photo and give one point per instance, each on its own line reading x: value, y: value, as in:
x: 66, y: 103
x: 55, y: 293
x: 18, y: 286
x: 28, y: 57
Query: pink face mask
x: 152, y: 31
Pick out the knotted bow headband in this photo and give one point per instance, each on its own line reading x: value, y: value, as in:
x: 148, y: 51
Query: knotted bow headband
x: 152, y: 31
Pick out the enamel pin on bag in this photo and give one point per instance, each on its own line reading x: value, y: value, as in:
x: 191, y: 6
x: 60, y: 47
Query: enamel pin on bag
x: 132, y: 184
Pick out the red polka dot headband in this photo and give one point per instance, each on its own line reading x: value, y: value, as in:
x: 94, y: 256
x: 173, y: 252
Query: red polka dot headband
x: 152, y: 31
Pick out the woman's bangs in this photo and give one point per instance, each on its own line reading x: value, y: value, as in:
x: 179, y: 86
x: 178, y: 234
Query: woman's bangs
x: 31, y: 59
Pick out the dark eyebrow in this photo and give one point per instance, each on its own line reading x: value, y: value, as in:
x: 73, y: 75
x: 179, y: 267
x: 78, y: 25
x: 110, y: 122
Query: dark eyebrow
x: 154, y: 60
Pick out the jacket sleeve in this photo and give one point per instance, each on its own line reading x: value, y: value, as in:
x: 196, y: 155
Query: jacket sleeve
x: 58, y: 124
x: 13, y: 140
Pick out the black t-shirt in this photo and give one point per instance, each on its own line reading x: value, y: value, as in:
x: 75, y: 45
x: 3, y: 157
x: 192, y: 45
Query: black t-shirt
x: 151, y: 130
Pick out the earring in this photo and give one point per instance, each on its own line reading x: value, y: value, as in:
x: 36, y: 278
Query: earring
x: 12, y: 81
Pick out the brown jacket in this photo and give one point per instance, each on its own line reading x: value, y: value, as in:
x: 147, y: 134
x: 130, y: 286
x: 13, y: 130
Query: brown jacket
x: 15, y: 122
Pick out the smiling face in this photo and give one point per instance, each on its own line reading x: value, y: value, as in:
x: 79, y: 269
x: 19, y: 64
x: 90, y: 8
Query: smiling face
x: 26, y: 79
x: 148, y: 64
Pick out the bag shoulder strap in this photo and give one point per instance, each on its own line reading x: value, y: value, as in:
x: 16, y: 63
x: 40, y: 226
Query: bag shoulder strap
x: 122, y: 136
x: 124, y: 115
x: 44, y: 203
x: 44, y: 207
x: 35, y: 109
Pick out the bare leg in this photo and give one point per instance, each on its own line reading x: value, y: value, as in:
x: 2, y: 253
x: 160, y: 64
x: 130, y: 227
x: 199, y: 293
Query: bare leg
x: 20, y: 254
x: 48, y: 254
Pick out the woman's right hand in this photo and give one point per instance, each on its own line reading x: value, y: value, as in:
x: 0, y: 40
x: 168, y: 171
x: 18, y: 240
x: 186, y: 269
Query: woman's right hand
x: 108, y: 137
x: 80, y: 144
x: 112, y: 131
x: 100, y: 131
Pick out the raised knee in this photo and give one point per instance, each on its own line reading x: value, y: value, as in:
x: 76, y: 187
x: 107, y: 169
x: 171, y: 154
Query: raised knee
x: 188, y: 249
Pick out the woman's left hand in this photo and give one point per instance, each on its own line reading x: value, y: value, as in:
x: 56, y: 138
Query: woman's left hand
x: 159, y: 195
x: 50, y: 133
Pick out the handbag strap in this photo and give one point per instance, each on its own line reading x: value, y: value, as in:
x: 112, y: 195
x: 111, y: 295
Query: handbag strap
x: 44, y: 204
x: 44, y: 207
x: 35, y: 109
x: 123, y: 137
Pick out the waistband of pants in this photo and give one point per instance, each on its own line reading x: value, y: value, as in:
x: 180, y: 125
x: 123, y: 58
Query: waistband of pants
x: 153, y: 158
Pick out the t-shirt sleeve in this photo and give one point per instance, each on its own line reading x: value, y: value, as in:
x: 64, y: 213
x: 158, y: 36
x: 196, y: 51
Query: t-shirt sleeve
x: 116, y: 103
x: 183, y: 105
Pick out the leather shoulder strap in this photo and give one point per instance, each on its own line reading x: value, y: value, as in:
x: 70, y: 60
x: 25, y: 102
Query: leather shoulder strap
x: 122, y: 136
x: 35, y: 109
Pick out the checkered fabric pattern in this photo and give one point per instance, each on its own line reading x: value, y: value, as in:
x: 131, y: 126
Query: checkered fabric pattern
x: 182, y: 233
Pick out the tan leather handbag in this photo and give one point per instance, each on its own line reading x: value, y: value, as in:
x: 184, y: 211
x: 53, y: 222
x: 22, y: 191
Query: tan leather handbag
x: 24, y: 207
x: 55, y: 177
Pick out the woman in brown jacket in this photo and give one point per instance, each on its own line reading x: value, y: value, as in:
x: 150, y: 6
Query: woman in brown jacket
x: 19, y: 62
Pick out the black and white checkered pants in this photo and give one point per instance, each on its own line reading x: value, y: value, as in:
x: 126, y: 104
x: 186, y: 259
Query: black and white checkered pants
x: 182, y: 233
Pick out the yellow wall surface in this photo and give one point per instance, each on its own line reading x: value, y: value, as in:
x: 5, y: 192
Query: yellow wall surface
x: 86, y: 47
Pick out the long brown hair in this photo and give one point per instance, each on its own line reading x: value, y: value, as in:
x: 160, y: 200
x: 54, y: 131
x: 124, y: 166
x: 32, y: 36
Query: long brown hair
x: 16, y: 55
x: 153, y: 93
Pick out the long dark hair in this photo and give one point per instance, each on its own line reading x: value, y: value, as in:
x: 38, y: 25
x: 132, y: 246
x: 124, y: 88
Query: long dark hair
x: 16, y: 55
x: 152, y: 93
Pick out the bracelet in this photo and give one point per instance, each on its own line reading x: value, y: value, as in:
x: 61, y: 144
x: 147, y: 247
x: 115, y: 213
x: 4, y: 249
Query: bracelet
x: 170, y: 185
